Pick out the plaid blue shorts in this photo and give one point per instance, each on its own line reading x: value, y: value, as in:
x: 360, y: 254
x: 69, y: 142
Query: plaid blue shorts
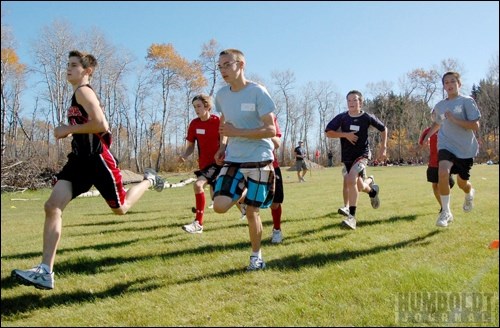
x: 257, y: 178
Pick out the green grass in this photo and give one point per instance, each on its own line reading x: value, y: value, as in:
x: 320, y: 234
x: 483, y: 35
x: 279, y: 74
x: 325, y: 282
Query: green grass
x: 141, y: 269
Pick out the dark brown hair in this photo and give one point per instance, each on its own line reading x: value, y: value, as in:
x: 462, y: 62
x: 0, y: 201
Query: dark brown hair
x: 355, y: 92
x: 455, y: 74
x: 87, y: 60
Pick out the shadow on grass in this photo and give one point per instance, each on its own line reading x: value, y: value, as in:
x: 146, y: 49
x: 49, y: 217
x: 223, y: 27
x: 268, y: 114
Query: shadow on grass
x: 363, y: 223
x: 360, y: 223
x: 296, y: 262
x: 26, y: 303
x: 111, y: 222
x: 129, y: 229
x: 20, y: 305
x: 131, y: 212
x: 90, y: 266
x: 100, y: 247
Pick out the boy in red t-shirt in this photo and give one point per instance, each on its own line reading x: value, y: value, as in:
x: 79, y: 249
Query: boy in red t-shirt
x: 203, y: 130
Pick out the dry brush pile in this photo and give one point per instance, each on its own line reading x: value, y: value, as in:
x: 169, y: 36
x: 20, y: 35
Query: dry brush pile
x: 20, y: 175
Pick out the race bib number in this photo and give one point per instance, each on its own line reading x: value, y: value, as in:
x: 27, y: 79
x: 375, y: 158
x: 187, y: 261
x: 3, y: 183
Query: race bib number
x: 248, y: 107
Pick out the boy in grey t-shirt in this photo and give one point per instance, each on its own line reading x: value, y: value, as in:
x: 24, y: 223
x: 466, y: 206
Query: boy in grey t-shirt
x: 457, y: 117
x: 246, y: 148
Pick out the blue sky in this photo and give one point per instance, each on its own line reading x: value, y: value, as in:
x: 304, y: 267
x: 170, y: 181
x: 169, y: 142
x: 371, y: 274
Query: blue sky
x: 348, y: 43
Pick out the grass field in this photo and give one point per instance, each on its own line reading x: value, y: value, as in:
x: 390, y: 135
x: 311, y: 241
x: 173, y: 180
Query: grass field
x: 396, y: 269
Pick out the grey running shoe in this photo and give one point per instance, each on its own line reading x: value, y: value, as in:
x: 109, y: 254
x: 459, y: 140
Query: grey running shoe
x: 469, y: 201
x: 277, y: 237
x: 375, y: 201
x: 256, y: 264
x: 444, y: 218
x: 37, y: 276
x: 350, y: 222
x: 156, y: 181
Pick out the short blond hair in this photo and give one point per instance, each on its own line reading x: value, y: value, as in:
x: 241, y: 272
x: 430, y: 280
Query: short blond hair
x: 237, y: 54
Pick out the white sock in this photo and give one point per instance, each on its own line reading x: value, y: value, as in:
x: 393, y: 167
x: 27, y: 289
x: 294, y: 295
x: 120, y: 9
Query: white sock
x: 258, y: 254
x: 445, y: 201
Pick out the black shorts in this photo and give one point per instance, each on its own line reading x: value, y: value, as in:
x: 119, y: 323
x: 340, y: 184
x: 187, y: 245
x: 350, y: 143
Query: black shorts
x: 433, y: 176
x: 461, y: 166
x: 278, y: 186
x: 99, y: 170
x: 210, y: 173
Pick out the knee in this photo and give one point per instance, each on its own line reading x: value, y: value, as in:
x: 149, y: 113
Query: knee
x: 443, y: 175
x: 198, y: 187
x: 51, y: 208
x: 219, y: 209
x: 222, y: 205
x: 463, y: 184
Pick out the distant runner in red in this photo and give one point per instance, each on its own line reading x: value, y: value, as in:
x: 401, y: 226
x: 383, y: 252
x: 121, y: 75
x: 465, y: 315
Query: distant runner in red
x: 204, y: 132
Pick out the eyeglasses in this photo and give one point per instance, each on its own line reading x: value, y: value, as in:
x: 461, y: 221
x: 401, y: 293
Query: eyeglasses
x: 227, y: 65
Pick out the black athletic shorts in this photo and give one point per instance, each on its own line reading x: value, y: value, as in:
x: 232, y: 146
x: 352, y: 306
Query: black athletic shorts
x: 461, y: 166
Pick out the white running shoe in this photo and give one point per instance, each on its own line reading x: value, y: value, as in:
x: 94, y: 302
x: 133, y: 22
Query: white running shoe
x: 469, y: 201
x: 256, y: 264
x: 444, y: 218
x: 343, y: 211
x: 350, y: 222
x: 277, y: 237
x: 37, y: 276
x: 157, y: 183
x: 211, y: 205
x: 193, y: 227
x: 243, y: 211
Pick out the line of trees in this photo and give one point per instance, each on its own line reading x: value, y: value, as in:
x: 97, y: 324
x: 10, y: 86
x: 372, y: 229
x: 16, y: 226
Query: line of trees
x: 148, y: 103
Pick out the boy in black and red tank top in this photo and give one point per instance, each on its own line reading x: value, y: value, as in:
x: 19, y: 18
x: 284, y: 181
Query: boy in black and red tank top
x: 90, y: 163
